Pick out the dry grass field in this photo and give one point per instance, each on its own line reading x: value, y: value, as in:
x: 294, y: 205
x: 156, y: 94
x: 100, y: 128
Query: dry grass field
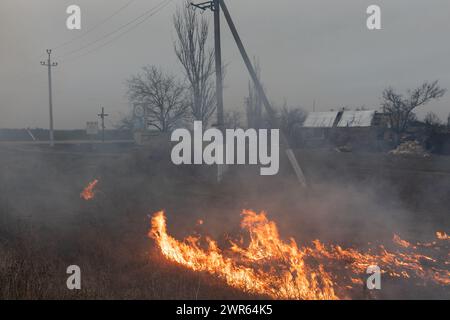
x: 45, y: 226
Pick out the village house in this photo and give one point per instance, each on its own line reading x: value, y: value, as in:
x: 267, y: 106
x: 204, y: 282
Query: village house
x: 361, y: 129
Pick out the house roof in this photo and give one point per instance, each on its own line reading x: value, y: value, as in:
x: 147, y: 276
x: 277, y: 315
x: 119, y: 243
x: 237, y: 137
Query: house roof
x: 320, y: 119
x: 356, y: 118
x: 345, y: 119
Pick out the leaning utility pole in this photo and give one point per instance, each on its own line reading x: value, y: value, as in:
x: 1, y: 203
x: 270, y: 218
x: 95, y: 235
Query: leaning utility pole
x: 215, y: 6
x: 270, y: 111
x: 49, y: 64
x: 103, y: 115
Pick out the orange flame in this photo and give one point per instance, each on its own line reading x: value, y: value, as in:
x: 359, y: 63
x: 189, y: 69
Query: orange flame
x: 401, y: 242
x: 88, y: 192
x: 282, y: 270
x: 442, y: 236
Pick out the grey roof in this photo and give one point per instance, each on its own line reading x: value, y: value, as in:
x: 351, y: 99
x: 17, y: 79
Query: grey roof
x: 320, y: 119
x: 347, y: 119
x: 356, y: 118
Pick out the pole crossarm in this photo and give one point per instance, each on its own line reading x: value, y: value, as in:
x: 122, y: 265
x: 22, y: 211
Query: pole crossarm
x: 53, y: 64
x: 204, y: 5
x: 48, y: 62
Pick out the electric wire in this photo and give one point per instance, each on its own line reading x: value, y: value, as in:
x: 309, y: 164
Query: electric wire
x: 96, y: 26
x: 145, y: 16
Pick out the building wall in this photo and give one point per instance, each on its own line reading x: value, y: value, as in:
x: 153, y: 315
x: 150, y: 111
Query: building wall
x: 363, y: 138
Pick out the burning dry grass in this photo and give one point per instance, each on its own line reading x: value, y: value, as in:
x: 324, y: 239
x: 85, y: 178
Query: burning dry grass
x: 33, y: 266
x: 282, y: 270
x: 442, y: 236
x: 88, y: 192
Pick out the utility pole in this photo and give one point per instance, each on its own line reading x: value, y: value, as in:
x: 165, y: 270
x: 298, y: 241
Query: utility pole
x: 103, y: 115
x: 269, y: 109
x: 218, y: 59
x: 214, y: 6
x: 49, y: 64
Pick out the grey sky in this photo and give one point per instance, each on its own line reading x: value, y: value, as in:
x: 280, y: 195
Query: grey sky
x: 308, y: 49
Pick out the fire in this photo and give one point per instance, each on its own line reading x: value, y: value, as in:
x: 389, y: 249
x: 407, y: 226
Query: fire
x: 442, y: 236
x: 401, y: 242
x: 88, y: 192
x: 269, y: 266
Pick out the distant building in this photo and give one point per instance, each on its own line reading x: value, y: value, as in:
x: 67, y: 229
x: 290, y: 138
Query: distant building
x: 364, y: 129
x: 317, y: 127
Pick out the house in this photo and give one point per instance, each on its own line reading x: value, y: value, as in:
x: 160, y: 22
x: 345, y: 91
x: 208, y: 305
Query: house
x: 317, y: 127
x: 362, y: 129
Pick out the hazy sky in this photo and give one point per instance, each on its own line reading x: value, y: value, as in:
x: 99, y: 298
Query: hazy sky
x: 308, y: 50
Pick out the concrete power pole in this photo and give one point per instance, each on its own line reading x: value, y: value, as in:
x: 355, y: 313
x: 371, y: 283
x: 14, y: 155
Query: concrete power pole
x: 49, y: 64
x: 218, y: 60
x: 214, y: 6
x: 102, y: 116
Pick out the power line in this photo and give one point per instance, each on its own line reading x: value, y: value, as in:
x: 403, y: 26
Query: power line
x: 102, y: 22
x: 165, y: 4
x: 147, y: 14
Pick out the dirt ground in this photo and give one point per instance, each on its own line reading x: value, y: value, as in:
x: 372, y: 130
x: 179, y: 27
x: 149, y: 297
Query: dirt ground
x: 352, y: 199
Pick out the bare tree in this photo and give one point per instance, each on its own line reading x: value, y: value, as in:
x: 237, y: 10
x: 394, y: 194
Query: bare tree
x: 125, y: 122
x: 400, y: 109
x: 291, y: 120
x: 163, y: 96
x: 197, y: 60
x: 433, y: 126
x: 232, y: 119
x: 432, y: 120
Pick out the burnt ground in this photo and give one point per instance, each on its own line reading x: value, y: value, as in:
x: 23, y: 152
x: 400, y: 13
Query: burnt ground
x: 353, y: 199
